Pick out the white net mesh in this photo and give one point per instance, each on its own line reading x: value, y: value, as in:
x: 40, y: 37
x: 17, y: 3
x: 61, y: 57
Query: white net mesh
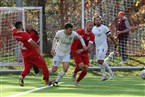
x: 134, y: 11
x: 10, y: 54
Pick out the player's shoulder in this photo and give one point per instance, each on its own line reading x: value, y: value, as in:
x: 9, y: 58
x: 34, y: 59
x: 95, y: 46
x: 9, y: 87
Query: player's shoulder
x: 79, y: 30
x: 103, y: 25
x: 60, y: 31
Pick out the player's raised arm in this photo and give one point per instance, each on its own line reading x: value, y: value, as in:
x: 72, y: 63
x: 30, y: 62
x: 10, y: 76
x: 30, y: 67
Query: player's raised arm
x: 10, y: 23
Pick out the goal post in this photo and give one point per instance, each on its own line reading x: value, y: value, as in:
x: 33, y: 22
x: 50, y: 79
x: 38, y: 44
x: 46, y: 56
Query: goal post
x: 10, y: 54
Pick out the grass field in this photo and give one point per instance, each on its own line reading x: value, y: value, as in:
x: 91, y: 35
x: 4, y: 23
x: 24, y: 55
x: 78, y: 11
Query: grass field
x: 91, y: 86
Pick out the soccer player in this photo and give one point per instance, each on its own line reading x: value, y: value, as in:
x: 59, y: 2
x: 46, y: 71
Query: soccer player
x: 61, y: 49
x: 30, y: 52
x: 81, y: 57
x: 35, y: 37
x: 101, y: 33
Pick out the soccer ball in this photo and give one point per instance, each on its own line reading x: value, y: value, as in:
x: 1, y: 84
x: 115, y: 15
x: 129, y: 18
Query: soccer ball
x: 142, y: 74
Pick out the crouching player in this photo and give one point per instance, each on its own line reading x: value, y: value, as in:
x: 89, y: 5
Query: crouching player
x: 80, y: 56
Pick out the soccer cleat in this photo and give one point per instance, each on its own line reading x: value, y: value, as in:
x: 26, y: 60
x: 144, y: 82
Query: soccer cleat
x: 55, y: 84
x: 111, y: 76
x: 73, y: 77
x: 77, y: 84
x: 104, y: 78
x: 49, y: 83
x: 111, y: 56
x: 21, y: 81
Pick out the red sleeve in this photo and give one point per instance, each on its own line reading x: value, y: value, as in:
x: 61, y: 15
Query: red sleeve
x: 26, y: 36
x: 14, y: 30
x: 74, y: 46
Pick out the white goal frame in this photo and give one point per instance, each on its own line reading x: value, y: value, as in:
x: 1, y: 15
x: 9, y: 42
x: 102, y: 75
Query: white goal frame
x: 23, y: 19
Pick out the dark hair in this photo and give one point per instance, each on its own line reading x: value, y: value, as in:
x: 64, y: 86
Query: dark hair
x: 68, y: 25
x: 18, y: 25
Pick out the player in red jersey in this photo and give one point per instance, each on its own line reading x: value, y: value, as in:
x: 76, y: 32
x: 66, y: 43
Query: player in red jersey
x: 30, y: 52
x: 81, y: 57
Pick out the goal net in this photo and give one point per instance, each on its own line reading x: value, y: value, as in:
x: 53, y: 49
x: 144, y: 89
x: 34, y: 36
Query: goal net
x: 10, y: 54
x: 135, y: 12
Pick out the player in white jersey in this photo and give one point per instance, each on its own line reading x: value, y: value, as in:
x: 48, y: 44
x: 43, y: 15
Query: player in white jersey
x: 61, y: 49
x: 101, y: 33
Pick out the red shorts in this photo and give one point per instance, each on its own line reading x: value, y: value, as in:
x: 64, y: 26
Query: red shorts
x: 81, y: 58
x: 39, y: 62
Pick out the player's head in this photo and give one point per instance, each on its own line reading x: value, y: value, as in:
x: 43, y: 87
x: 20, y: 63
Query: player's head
x: 97, y: 20
x: 121, y: 14
x: 89, y: 26
x: 29, y: 26
x: 68, y: 28
x: 18, y: 25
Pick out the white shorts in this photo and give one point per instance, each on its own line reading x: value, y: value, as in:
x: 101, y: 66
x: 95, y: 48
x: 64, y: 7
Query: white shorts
x: 57, y: 59
x: 101, y: 53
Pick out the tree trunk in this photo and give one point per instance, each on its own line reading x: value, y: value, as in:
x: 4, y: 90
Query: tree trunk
x: 46, y: 48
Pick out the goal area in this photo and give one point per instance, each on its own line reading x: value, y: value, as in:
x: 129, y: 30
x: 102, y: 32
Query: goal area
x: 10, y: 54
x: 135, y: 12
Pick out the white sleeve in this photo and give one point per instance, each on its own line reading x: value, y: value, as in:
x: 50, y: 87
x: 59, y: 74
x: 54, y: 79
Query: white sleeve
x: 57, y: 34
x: 107, y: 31
x: 80, y: 38
x: 55, y: 40
x: 29, y: 39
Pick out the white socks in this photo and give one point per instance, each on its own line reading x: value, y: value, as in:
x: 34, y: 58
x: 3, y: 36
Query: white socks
x: 102, y: 69
x: 107, y: 67
x: 61, y: 74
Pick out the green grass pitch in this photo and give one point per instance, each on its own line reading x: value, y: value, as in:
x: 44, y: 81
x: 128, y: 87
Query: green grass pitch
x: 91, y: 86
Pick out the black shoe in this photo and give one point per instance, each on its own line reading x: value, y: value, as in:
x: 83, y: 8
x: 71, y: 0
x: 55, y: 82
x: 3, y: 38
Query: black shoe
x: 49, y: 83
x: 21, y: 81
x: 55, y: 84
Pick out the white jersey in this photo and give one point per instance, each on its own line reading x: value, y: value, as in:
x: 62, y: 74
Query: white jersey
x: 101, y: 33
x: 64, y: 42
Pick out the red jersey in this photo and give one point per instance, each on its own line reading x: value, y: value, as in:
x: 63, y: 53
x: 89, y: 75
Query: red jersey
x: 88, y: 37
x: 35, y: 37
x: 24, y: 39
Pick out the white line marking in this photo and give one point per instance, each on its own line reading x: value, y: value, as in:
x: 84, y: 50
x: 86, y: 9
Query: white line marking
x: 36, y: 89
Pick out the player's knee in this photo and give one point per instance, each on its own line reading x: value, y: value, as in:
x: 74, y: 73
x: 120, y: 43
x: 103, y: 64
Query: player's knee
x: 65, y: 70
x: 54, y: 70
x: 86, y: 68
x: 81, y: 66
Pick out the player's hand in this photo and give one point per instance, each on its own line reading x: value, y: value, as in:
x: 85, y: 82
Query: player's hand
x: 79, y: 51
x: 53, y: 52
x: 85, y: 48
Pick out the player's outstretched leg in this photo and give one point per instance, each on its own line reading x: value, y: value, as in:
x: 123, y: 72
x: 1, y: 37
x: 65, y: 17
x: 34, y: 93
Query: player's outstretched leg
x: 74, y: 77
x: 109, y: 70
x: 61, y: 74
x: 21, y: 81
